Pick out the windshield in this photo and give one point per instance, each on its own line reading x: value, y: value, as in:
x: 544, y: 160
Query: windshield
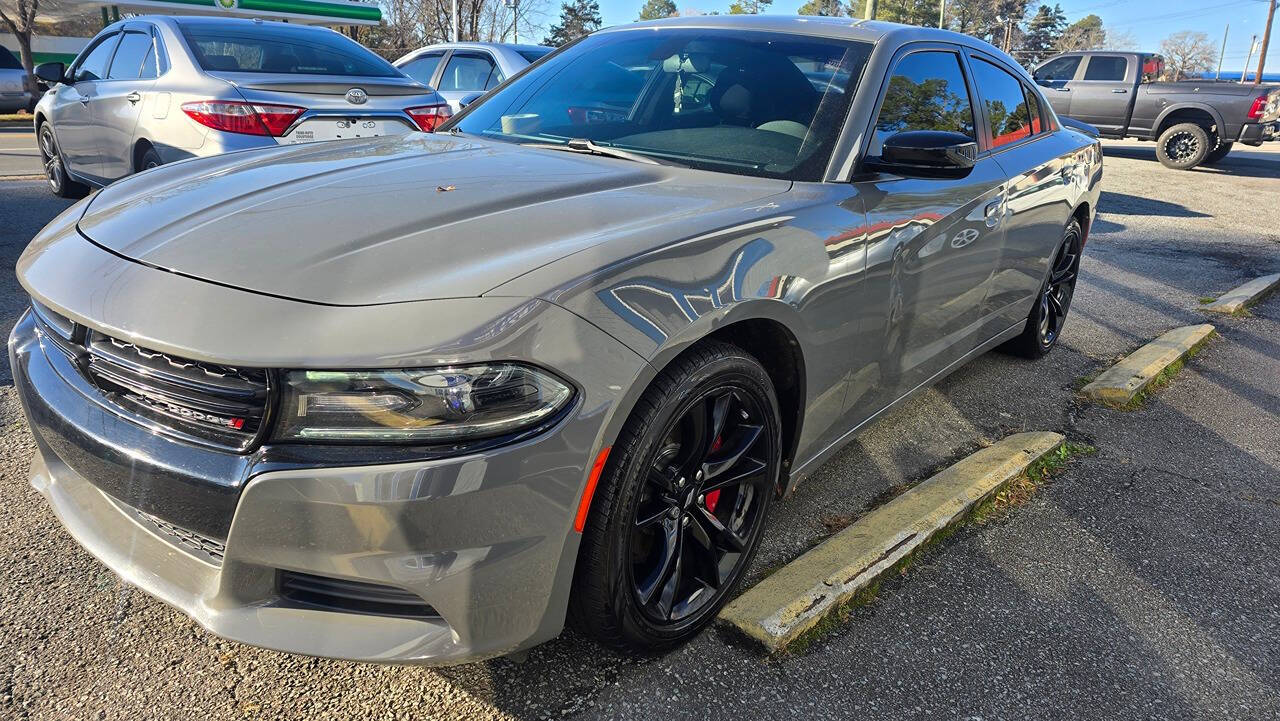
x: 278, y: 48
x: 752, y: 103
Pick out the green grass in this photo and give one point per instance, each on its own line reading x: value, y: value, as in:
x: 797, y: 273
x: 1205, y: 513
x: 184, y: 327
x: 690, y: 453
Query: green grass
x: 1017, y: 492
x: 1162, y: 379
x: 15, y: 117
x: 1206, y: 299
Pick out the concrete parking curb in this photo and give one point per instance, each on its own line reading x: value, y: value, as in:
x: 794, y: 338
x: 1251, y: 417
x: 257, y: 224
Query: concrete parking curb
x: 796, y: 598
x: 1123, y: 382
x: 1246, y: 295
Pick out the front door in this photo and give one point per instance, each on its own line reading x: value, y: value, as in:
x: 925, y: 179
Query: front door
x: 1055, y: 77
x: 120, y: 100
x: 72, y: 113
x: 932, y: 243
x: 467, y: 72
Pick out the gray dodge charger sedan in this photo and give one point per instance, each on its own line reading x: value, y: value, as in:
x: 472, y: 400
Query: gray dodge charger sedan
x: 426, y: 398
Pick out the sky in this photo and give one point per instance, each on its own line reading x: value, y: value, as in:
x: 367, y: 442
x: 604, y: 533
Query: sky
x: 1146, y: 21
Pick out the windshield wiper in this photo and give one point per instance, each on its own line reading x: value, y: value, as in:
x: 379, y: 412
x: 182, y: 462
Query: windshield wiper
x: 582, y: 145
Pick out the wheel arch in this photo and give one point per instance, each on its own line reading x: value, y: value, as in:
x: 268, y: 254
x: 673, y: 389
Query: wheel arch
x: 1199, y: 113
x: 140, y: 148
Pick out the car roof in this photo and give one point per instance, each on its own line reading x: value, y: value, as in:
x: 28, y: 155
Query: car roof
x: 872, y: 31
x: 476, y: 44
x: 205, y: 21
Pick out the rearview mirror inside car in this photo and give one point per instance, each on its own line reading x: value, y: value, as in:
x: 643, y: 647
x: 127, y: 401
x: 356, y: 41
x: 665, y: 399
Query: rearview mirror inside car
x: 51, y: 72
x: 926, y: 154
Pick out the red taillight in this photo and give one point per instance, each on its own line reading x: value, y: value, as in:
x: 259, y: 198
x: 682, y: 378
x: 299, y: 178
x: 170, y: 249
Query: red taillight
x: 429, y: 117
x: 1259, y: 105
x: 247, y: 118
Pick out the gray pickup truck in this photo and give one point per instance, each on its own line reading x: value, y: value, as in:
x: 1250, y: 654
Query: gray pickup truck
x: 1194, y: 122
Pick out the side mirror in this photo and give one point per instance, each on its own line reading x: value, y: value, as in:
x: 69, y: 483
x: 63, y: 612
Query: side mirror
x: 51, y: 73
x: 926, y: 154
x: 468, y: 99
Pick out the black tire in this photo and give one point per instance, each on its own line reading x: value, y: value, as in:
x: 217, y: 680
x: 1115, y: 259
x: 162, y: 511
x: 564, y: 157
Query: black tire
x: 150, y: 159
x: 1183, y: 146
x: 1217, y: 154
x: 55, y: 171
x: 644, y: 499
x: 1049, y: 314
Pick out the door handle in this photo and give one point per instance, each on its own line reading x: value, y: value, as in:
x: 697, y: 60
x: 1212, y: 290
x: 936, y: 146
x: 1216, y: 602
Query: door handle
x: 84, y: 99
x: 1063, y: 90
x: 993, y: 212
x: 133, y: 97
x: 1119, y: 90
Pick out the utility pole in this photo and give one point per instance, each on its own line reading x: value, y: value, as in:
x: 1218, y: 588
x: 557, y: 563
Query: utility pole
x: 1253, y: 46
x: 1266, y: 40
x: 453, y: 31
x: 869, y: 12
x: 1218, y: 75
x: 942, y: 14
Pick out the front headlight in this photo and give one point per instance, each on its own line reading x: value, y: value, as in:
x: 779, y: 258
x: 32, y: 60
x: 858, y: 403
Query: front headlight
x: 425, y: 405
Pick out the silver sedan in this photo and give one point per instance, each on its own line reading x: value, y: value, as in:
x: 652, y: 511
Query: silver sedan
x: 152, y: 90
x: 463, y: 71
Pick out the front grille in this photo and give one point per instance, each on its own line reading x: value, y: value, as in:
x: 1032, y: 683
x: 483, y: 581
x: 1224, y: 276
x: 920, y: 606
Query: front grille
x: 303, y: 590
x: 201, y: 402
x: 205, y: 547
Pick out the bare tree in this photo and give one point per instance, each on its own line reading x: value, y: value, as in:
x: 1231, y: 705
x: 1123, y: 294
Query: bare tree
x: 1186, y: 53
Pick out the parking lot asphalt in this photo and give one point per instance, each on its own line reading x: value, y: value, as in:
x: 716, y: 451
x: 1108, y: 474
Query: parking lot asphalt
x: 19, y: 155
x: 1142, y: 582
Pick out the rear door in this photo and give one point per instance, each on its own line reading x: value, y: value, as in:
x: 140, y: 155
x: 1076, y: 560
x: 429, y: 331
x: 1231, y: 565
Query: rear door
x: 72, y: 113
x: 1102, y: 95
x: 933, y: 243
x: 1036, y: 198
x: 120, y: 100
x: 1055, y: 76
x: 467, y: 72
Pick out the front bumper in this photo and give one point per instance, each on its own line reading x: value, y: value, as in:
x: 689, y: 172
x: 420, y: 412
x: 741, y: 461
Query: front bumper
x: 485, y: 539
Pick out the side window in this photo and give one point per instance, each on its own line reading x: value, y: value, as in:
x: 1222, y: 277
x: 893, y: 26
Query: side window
x: 93, y: 66
x: 1006, y: 106
x: 1106, y: 67
x: 1038, y: 122
x: 926, y: 92
x: 149, y: 70
x: 1060, y: 69
x: 422, y: 67
x: 127, y: 63
x: 469, y: 71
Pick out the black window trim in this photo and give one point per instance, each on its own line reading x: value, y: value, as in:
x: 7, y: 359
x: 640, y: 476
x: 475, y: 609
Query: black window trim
x: 444, y: 64
x: 987, y: 148
x: 113, y: 36
x: 1083, y: 70
x: 903, y: 52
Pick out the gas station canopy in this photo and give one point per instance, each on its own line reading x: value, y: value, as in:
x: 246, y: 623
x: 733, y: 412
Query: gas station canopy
x: 309, y: 12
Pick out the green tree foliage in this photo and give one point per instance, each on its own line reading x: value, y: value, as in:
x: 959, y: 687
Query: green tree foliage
x: 927, y: 105
x: 577, y: 18
x: 825, y: 8
x: 973, y: 17
x: 749, y: 7
x: 658, y: 9
x: 1043, y: 32
x: 1086, y: 33
x: 911, y: 12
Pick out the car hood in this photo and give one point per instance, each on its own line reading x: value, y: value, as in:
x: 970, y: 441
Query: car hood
x: 388, y: 220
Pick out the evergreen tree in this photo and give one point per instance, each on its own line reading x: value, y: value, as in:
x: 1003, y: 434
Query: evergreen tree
x: 1086, y: 33
x: 1043, y: 32
x: 577, y: 18
x: 825, y: 8
x: 911, y: 12
x: 658, y: 9
x: 749, y: 7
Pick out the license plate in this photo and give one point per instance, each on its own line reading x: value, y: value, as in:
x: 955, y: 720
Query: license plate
x: 319, y: 129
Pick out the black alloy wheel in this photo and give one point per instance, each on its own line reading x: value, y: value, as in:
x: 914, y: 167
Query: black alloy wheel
x: 1183, y: 146
x: 681, y: 505
x: 54, y: 171
x: 1049, y: 314
x: 701, y: 504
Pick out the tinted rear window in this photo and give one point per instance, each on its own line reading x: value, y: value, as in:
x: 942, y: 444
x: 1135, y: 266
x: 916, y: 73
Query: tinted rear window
x: 275, y: 48
x: 8, y: 62
x: 533, y: 55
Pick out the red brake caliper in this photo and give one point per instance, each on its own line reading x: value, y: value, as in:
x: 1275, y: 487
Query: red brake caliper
x: 713, y: 497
